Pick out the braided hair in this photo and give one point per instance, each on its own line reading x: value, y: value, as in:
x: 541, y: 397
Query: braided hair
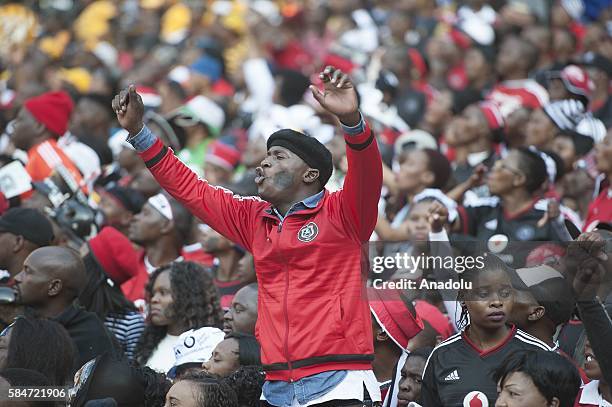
x: 211, y: 391
x: 195, y: 304
x: 247, y: 383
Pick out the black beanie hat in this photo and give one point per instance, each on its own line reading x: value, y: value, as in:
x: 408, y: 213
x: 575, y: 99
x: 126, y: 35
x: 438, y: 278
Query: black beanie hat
x: 309, y: 149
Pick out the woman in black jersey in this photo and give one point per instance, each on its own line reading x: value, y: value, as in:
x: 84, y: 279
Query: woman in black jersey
x: 459, y: 371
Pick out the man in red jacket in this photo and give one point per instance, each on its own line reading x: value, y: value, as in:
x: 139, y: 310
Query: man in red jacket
x: 308, y: 244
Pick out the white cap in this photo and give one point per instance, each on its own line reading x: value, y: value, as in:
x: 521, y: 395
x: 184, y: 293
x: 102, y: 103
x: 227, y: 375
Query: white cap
x: 196, y: 346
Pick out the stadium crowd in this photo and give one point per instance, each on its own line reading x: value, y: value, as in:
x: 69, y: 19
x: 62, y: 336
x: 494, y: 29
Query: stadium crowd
x: 192, y: 195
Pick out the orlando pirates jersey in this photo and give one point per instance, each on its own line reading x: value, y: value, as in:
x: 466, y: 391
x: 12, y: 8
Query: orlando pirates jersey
x: 458, y: 374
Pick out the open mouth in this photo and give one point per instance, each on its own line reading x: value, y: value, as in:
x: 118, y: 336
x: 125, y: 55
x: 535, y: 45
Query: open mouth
x: 259, y: 176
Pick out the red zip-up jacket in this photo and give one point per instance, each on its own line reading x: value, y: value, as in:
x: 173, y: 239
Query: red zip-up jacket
x: 313, y: 314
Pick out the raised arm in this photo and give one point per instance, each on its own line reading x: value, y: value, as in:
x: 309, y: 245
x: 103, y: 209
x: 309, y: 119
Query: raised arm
x: 228, y: 214
x: 362, y: 184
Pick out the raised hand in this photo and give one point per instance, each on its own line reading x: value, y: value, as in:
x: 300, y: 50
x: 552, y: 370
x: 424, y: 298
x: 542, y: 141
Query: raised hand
x: 339, y: 96
x: 129, y: 109
x: 438, y: 216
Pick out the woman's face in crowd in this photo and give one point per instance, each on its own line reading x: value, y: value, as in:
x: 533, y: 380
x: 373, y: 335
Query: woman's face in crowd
x: 225, y: 359
x: 476, y: 66
x: 413, y: 166
x: 603, y: 155
x: 410, y: 383
x: 504, y: 176
x: 490, y: 300
x: 591, y: 366
x: 518, y: 390
x: 540, y: 129
x: 182, y: 394
x: 160, y: 310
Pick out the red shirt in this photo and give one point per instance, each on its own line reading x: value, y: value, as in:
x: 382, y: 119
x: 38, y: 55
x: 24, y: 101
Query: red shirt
x: 600, y: 210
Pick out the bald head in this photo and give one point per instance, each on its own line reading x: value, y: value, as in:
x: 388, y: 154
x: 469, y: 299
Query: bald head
x: 50, y: 274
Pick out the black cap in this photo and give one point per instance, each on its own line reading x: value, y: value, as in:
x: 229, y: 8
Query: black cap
x: 29, y: 223
x: 130, y: 199
x: 309, y: 149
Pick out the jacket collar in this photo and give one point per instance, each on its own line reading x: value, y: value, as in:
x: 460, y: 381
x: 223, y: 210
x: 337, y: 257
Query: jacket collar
x: 312, y: 203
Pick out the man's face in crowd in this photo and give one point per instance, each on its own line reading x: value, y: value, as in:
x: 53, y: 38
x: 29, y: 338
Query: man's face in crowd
x: 490, y: 300
x: 603, y: 155
x: 26, y: 130
x: 146, y: 226
x: 410, y: 383
x: 413, y: 174
x: 283, y: 171
x: 114, y: 213
x: 7, y: 243
x: 160, y: 310
x: 518, y: 390
x: 476, y: 66
x: 183, y: 393
x: 241, y: 317
x: 32, y: 284
x: 468, y: 127
x: 87, y: 115
x: 540, y: 129
x: 505, y: 174
x: 225, y: 359
x: 212, y: 241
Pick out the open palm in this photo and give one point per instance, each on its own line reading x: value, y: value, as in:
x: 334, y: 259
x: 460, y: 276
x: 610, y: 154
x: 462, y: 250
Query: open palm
x: 338, y: 96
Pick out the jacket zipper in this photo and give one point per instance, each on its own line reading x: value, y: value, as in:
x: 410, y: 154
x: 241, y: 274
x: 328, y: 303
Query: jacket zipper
x: 286, y: 312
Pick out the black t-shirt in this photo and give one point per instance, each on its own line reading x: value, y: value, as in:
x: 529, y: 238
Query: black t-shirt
x: 458, y: 374
x: 487, y: 222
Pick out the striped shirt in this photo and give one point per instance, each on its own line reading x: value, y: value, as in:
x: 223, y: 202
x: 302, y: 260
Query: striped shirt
x: 127, y: 329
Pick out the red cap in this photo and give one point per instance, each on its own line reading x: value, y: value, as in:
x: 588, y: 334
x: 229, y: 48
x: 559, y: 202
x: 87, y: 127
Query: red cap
x: 434, y: 317
x: 223, y: 155
x: 115, y: 254
x: 393, y: 316
x: 577, y: 81
x: 150, y: 97
x: 52, y: 109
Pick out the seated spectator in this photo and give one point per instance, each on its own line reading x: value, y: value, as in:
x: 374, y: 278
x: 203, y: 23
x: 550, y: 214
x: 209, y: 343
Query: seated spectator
x: 106, y: 377
x: 41, y: 345
x: 597, y: 392
x: 235, y: 351
x: 241, y: 316
x: 201, y: 390
x: 16, y: 377
x: 194, y: 348
x: 411, y: 378
x: 536, y: 378
x: 247, y: 383
x: 22, y: 230
x: 51, y: 279
x: 110, y: 261
x: 481, y: 345
x: 181, y: 296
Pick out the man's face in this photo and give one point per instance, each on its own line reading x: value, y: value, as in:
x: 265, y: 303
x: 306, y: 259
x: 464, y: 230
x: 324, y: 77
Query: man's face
x: 540, y: 129
x: 114, y: 213
x: 26, y: 130
x: 410, y: 383
x: 212, y: 241
x: 146, y: 226
x: 524, y: 306
x: 242, y: 314
x: 33, y: 282
x: 283, y: 172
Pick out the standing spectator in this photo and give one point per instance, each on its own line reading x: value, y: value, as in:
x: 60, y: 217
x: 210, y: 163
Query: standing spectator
x: 180, y: 297
x: 51, y: 279
x: 292, y: 178
x: 22, y: 230
x: 161, y: 228
x: 457, y: 372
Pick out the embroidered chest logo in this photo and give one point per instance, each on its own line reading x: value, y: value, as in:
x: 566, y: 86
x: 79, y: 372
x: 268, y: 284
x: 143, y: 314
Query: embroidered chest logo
x: 475, y: 399
x: 308, y: 232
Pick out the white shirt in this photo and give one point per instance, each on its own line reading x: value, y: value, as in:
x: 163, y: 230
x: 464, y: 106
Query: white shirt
x: 162, y: 358
x: 591, y: 395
